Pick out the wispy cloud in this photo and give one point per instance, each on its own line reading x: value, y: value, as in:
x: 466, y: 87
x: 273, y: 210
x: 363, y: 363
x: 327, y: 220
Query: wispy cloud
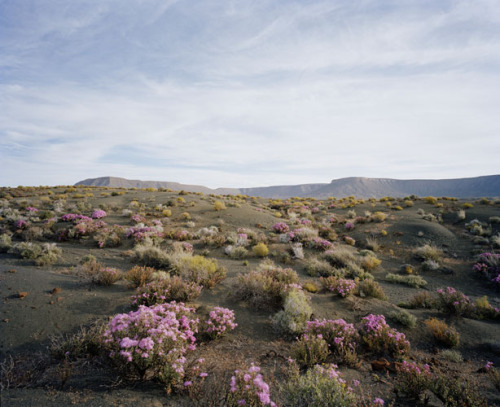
x: 244, y: 93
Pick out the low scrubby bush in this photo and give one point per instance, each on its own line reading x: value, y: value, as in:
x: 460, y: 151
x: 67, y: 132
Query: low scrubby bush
x: 266, y: 286
x: 370, y: 288
x: 428, y: 252
x: 404, y: 318
x: 443, y: 333
x: 166, y: 290
x: 410, y: 280
x: 310, y: 350
x: 139, y: 276
x: 318, y: 387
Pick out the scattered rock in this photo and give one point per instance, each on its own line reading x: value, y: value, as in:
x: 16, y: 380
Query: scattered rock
x: 6, y: 320
x: 12, y: 271
x: 22, y: 294
x: 382, y: 364
x: 55, y: 290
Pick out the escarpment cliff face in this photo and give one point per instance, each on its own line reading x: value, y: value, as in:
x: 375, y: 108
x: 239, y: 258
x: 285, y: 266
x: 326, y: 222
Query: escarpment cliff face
x: 361, y: 187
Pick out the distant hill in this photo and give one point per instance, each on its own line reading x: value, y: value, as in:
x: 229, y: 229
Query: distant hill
x: 360, y: 187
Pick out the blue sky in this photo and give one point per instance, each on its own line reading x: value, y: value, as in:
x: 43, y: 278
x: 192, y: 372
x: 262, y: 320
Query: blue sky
x: 248, y: 93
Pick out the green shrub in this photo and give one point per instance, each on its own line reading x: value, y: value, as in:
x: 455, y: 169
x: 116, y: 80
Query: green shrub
x: 317, y: 267
x: 310, y: 350
x: 5, y: 243
x: 451, y: 355
x: 371, y: 288
x: 292, y: 320
x: 404, y: 318
x: 410, y: 280
x: 370, y: 262
x: 319, y: 387
x: 422, y: 300
x: 428, y: 252
x: 151, y: 256
x: 266, y: 286
x: 166, y: 290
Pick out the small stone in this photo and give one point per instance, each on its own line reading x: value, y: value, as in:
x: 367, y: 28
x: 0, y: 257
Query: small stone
x: 12, y: 271
x: 6, y: 320
x: 22, y: 294
x: 55, y: 290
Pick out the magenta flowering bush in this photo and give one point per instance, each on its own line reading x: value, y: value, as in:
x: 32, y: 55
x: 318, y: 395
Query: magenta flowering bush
x: 21, y: 224
x: 349, y: 226
x: 154, y: 339
x: 488, y: 264
x: 341, y: 337
x: 412, y: 379
x: 31, y: 209
x: 378, y: 336
x: 140, y: 233
x: 70, y: 217
x: 310, y: 350
x: 99, y: 214
x: 321, y: 244
x: 137, y: 218
x: 220, y: 320
x: 341, y: 286
x: 454, y: 302
x: 281, y: 227
x: 248, y: 388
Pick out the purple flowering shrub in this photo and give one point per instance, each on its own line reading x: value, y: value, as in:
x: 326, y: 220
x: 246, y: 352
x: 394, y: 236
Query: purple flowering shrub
x: 248, y: 388
x: 220, y: 320
x: 140, y: 232
x: 281, y: 227
x: 320, y: 244
x: 21, y: 224
x: 153, y: 339
x: 99, y: 214
x: 341, y: 286
x: 454, y: 302
x: 166, y: 290
x: 342, y: 338
x: 488, y: 264
x: 412, y: 379
x: 378, y: 336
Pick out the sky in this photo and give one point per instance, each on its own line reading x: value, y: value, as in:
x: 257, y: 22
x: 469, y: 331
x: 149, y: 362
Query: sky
x: 239, y: 93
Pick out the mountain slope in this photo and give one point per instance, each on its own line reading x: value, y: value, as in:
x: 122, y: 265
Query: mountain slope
x: 486, y: 186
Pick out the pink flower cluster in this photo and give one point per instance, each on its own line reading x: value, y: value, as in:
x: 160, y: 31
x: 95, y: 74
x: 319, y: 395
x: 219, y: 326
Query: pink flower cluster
x: 154, y: 338
x: 305, y: 222
x: 454, y: 302
x: 281, y: 227
x: 21, y: 224
x: 349, y: 226
x: 349, y: 240
x: 219, y: 321
x: 378, y: 336
x: 99, y: 214
x: 31, y: 209
x: 249, y: 388
x: 322, y: 244
x: 139, y: 233
x: 138, y: 218
x: 488, y: 264
x: 341, y: 336
x: 70, y: 217
x: 342, y: 286
x: 87, y: 226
